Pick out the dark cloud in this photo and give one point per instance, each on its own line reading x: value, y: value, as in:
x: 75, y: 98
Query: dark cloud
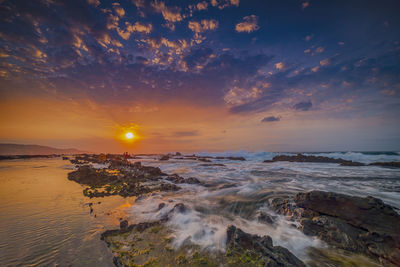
x: 271, y: 119
x: 303, y: 106
x: 76, y: 48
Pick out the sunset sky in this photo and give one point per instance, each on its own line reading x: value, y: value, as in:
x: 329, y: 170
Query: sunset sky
x: 212, y: 75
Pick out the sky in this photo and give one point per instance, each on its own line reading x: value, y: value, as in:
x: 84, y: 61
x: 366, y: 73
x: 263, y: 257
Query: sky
x: 209, y: 75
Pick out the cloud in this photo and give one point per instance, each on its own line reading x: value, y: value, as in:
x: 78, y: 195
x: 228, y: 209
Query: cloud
x: 202, y: 5
x: 280, y: 66
x: 249, y: 24
x: 119, y: 10
x: 203, y: 25
x: 319, y: 50
x: 325, y: 62
x: 305, y: 4
x: 303, y: 106
x: 271, y: 119
x: 94, y: 2
x: 309, y: 37
x: 170, y: 14
x: 137, y: 27
x: 221, y: 4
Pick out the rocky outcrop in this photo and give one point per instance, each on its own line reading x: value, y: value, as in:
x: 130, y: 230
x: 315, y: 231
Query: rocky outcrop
x: 311, y: 158
x: 362, y: 225
x: 175, y: 178
x: 320, y: 159
x: 257, y: 251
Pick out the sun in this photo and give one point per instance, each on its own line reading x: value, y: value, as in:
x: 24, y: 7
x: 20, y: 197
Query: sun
x: 129, y: 135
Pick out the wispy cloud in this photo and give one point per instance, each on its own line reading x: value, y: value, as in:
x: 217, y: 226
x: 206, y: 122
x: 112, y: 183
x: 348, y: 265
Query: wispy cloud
x: 248, y: 24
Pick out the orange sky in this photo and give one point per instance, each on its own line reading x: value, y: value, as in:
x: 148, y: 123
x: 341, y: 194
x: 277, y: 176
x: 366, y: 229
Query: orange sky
x: 167, y: 127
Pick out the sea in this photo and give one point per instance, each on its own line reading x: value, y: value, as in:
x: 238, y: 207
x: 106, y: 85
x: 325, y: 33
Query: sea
x: 46, y: 221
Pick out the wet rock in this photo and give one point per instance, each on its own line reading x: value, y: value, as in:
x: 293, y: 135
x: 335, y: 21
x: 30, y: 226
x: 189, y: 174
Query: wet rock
x: 355, y: 224
x: 175, y: 178
x: 192, y: 180
x: 212, y: 164
x: 161, y: 206
x: 164, y: 157
x: 180, y: 207
x: 268, y: 161
x: 89, y: 176
x: 123, y: 224
x: 394, y: 164
x: 255, y: 250
x: 311, y: 158
x: 168, y: 187
x: 232, y: 158
x: 352, y: 163
x: 204, y: 160
x: 367, y: 213
x: 266, y: 218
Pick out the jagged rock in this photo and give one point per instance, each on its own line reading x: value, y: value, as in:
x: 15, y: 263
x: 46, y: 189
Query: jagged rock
x: 367, y: 213
x: 258, y: 251
x: 362, y: 225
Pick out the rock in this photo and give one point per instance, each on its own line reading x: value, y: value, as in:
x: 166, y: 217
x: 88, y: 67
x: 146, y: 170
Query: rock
x: 175, y: 178
x: 394, y: 164
x: 265, y: 218
x: 180, y: 207
x: 232, y: 158
x: 161, y: 205
x: 90, y: 176
x: 352, y: 163
x: 256, y: 250
x: 204, y: 160
x: 367, y: 213
x: 123, y: 224
x: 212, y: 164
x: 317, y: 159
x: 178, y: 154
x: 168, y: 187
x: 164, y: 157
x: 361, y: 225
x: 268, y: 161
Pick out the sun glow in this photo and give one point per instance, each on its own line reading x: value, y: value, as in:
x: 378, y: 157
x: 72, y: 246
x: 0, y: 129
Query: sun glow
x: 129, y: 135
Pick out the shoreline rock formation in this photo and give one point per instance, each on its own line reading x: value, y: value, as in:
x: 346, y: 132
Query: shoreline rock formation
x: 355, y: 224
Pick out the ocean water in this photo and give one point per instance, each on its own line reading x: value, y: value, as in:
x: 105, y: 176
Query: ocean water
x: 46, y: 221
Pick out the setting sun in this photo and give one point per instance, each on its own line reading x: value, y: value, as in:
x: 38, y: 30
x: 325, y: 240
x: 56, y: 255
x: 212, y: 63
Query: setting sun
x: 129, y: 135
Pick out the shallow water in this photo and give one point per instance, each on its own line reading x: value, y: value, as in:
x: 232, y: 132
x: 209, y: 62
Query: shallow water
x: 45, y: 219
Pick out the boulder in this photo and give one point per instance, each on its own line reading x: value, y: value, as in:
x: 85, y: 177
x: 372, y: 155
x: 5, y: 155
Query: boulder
x: 254, y: 250
x: 367, y: 213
